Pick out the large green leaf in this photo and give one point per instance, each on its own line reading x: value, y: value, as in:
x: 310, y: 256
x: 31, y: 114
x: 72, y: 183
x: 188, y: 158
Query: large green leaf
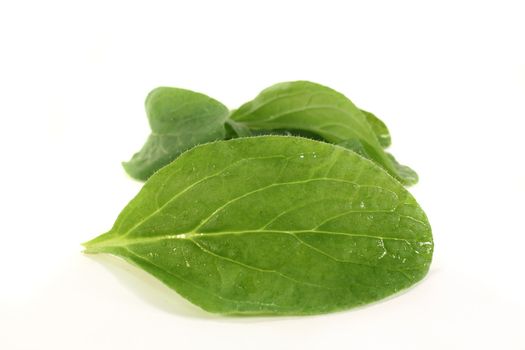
x: 314, y: 108
x: 179, y: 119
x: 274, y: 225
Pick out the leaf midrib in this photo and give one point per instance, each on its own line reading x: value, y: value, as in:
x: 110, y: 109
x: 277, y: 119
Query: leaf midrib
x: 255, y: 107
x: 128, y: 241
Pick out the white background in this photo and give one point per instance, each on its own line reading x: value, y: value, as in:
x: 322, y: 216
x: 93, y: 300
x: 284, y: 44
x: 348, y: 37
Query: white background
x: 448, y: 78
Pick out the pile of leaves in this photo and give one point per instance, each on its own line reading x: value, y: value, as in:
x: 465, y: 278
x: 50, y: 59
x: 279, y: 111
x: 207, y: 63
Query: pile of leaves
x: 287, y: 205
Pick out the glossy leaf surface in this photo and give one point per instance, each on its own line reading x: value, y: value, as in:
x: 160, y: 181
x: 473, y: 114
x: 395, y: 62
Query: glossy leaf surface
x: 179, y: 120
x: 314, y: 108
x: 274, y: 225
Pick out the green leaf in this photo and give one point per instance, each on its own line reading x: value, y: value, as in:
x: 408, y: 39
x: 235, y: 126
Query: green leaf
x: 179, y: 120
x: 314, y: 108
x: 274, y: 225
x: 234, y: 130
x: 379, y: 128
x: 366, y: 151
x: 356, y: 146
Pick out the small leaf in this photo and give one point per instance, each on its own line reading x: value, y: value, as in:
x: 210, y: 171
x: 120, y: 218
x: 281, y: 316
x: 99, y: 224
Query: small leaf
x: 379, y: 128
x: 317, y: 109
x: 179, y: 119
x: 274, y: 225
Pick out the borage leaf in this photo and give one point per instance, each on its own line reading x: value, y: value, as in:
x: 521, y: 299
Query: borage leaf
x: 317, y: 109
x: 179, y: 120
x: 274, y: 225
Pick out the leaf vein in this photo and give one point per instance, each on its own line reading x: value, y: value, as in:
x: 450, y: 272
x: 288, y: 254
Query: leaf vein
x: 257, y: 268
x: 193, y: 284
x: 134, y: 227
x: 218, y: 210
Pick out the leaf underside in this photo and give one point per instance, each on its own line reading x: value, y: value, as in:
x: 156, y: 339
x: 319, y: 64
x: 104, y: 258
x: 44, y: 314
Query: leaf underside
x: 274, y: 225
